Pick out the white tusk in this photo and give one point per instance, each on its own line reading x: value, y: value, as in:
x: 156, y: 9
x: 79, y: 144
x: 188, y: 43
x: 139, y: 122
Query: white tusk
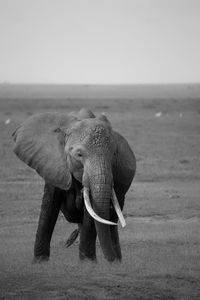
x: 118, y: 209
x: 90, y: 209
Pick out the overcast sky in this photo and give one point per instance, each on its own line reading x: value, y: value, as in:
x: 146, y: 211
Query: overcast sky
x: 100, y: 41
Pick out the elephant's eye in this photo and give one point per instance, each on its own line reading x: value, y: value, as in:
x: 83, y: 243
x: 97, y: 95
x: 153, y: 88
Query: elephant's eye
x: 79, y: 154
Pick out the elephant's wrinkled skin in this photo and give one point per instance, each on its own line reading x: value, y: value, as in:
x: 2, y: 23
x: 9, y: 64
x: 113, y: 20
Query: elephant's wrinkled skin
x: 77, y: 152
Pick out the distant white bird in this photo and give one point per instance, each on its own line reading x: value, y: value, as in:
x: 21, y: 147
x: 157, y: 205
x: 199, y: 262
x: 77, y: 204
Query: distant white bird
x: 158, y: 114
x: 7, y: 121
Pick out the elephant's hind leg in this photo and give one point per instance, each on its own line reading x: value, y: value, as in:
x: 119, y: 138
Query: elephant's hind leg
x: 48, y: 215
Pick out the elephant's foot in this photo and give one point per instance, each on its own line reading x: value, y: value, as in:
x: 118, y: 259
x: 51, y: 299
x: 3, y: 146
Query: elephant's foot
x: 118, y: 255
x: 116, y: 261
x: 87, y: 257
x: 40, y: 259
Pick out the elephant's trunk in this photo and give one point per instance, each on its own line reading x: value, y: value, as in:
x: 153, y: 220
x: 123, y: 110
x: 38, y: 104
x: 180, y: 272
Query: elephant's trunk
x: 98, y: 194
x: 101, y: 193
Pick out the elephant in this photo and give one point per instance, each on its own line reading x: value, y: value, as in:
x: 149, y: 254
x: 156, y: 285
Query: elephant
x: 87, y: 169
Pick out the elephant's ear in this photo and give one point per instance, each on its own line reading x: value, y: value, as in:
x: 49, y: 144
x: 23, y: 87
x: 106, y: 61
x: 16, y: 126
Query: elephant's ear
x: 124, y: 162
x: 40, y: 144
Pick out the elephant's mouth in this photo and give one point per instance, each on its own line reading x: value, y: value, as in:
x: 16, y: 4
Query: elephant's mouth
x: 98, y: 218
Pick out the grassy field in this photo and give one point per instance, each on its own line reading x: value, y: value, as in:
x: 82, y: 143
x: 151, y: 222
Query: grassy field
x: 160, y: 245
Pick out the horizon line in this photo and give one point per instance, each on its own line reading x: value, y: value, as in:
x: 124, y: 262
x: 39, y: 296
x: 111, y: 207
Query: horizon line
x: 99, y: 84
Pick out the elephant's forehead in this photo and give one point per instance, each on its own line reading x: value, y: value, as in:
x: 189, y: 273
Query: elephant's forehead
x: 96, y: 135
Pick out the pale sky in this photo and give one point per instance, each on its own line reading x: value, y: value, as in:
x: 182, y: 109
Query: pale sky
x: 99, y: 41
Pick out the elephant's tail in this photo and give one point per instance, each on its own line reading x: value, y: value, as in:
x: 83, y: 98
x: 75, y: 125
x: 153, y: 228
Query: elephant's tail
x: 72, y: 238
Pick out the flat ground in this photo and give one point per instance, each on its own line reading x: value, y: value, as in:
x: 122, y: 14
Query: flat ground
x: 160, y: 245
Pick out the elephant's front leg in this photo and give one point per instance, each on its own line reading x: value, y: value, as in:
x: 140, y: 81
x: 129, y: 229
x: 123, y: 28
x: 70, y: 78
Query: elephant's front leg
x: 114, y: 229
x: 115, y: 242
x: 87, y: 246
x: 48, y: 215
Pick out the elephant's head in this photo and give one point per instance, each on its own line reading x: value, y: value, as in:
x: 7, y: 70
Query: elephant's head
x: 81, y: 146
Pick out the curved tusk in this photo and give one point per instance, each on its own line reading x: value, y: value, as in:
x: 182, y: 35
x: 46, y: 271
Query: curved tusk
x: 118, y: 209
x: 90, y: 209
